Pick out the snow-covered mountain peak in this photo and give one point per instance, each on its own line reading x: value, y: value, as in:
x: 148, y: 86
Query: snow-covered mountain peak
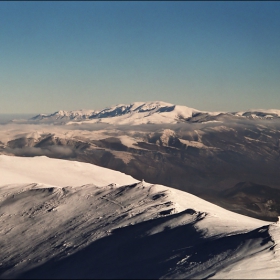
x: 81, y: 112
x: 64, y: 116
x: 149, y: 106
x: 137, y: 107
x: 154, y: 112
x: 61, y: 113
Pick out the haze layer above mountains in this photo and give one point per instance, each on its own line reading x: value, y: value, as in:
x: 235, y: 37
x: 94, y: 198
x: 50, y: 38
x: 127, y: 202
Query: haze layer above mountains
x: 210, y: 154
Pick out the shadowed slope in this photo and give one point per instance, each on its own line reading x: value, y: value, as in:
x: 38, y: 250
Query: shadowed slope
x: 130, y: 252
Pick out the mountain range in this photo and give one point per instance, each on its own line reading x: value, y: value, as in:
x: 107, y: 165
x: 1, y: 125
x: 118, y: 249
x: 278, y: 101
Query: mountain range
x: 157, y: 112
x: 203, y: 153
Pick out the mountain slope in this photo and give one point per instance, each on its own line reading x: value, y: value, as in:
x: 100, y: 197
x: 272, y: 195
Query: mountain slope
x: 252, y: 199
x: 51, y: 229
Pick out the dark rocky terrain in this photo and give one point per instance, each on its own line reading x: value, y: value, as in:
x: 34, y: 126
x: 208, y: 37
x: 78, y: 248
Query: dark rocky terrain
x: 251, y: 199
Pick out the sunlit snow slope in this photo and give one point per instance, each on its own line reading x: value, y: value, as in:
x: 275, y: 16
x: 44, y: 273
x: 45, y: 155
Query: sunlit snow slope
x: 62, y: 219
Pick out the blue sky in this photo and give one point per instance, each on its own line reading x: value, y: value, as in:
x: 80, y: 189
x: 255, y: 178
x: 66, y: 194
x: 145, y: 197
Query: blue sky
x: 72, y: 55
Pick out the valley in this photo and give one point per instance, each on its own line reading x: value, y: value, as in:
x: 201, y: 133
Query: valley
x: 204, y: 158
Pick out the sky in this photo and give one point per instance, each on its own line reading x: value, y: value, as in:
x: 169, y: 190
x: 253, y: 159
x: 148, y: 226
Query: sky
x: 91, y: 55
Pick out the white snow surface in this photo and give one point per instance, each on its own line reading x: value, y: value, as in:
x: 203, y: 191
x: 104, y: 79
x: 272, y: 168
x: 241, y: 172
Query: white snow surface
x: 62, y: 219
x: 56, y: 172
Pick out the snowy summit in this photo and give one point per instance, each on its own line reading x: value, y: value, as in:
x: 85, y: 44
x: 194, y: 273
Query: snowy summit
x: 135, y: 113
x: 156, y: 112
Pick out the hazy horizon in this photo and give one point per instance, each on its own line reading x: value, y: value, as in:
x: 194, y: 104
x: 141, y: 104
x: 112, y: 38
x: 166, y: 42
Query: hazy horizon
x: 5, y: 118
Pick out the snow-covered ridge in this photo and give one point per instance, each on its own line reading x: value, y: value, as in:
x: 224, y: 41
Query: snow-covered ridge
x: 55, y: 225
x: 61, y: 114
x: 260, y: 113
x: 134, y: 113
x: 156, y: 112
